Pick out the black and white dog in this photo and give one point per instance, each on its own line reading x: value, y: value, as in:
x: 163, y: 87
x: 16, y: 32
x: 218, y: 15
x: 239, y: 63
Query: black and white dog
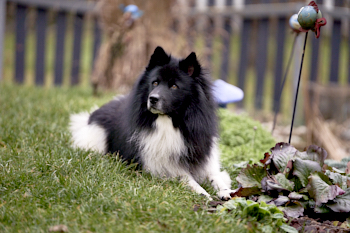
x: 167, y: 124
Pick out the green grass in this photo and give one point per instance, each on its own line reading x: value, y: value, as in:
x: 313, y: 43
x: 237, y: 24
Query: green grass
x: 44, y: 182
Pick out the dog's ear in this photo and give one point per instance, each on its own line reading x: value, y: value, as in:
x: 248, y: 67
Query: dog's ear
x: 158, y: 58
x: 190, y: 65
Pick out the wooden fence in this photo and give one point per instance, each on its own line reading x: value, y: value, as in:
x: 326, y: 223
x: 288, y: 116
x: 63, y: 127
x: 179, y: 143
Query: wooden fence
x: 265, y: 43
x: 246, y: 43
x: 63, y: 9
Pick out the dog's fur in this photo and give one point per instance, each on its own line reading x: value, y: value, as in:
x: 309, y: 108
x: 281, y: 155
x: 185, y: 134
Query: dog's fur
x: 167, y: 124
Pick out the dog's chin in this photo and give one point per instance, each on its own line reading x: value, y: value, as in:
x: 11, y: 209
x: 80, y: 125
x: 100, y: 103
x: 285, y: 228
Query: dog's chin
x: 156, y: 111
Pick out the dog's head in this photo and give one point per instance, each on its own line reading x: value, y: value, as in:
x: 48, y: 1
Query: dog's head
x: 171, y: 82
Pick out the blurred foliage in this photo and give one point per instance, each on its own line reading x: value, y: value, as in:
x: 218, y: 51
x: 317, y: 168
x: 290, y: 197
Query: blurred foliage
x: 242, y: 138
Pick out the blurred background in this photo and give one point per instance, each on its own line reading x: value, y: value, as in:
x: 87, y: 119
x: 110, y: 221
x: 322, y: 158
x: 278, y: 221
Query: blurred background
x: 248, y: 43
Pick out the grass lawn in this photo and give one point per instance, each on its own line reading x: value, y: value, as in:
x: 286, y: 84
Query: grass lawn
x: 44, y: 182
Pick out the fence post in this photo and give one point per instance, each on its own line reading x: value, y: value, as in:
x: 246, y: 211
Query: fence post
x: 41, y: 23
x: 2, y: 33
x: 20, y: 42
x: 244, y: 52
x: 261, y: 59
x: 97, y: 39
x: 60, y: 41
x: 78, y: 29
x: 225, y: 61
x: 335, y: 46
x: 280, y: 42
x: 314, y: 58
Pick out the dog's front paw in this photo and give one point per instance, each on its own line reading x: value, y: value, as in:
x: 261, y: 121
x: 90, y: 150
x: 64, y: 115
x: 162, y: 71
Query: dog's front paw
x: 207, y: 196
x: 225, y: 194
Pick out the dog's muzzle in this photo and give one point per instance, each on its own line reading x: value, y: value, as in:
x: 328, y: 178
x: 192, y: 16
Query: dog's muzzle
x: 154, y: 104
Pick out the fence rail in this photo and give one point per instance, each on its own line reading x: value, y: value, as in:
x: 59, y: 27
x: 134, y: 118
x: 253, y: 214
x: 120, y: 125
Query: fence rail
x: 260, y: 27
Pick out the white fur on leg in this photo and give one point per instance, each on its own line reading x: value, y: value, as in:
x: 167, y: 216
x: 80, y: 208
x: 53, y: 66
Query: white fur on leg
x: 219, y: 180
x: 87, y: 136
x: 226, y: 178
x: 195, y: 186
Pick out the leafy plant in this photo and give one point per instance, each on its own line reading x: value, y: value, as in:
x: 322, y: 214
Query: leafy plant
x: 297, y: 182
x: 267, y: 217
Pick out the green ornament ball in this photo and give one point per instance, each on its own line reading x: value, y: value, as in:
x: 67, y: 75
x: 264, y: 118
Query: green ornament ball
x: 307, y: 17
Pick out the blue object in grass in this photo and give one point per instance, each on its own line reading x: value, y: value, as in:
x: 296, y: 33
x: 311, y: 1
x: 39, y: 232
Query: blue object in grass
x: 225, y: 93
x: 133, y: 9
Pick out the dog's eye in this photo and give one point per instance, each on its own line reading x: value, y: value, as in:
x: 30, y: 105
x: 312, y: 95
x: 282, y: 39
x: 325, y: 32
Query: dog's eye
x: 155, y: 83
x: 174, y: 87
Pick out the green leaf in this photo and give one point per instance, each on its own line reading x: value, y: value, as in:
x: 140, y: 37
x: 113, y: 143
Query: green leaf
x: 264, y: 198
x: 303, y: 169
x: 284, y: 182
x: 251, y: 176
x: 341, y: 203
x: 281, y: 154
x: 320, y: 190
x: 278, y: 216
x: 274, y: 209
x: 322, y: 209
x: 254, y: 210
x: 267, y: 229
x: 288, y: 229
x: 230, y: 205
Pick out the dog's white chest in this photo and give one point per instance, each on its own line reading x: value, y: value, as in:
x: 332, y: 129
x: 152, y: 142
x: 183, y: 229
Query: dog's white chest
x: 161, y: 149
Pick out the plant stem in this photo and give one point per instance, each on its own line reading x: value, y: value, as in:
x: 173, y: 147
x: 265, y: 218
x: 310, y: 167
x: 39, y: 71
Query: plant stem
x: 296, y: 94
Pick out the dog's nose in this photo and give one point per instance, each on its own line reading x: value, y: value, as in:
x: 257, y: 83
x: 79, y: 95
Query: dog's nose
x: 153, y: 99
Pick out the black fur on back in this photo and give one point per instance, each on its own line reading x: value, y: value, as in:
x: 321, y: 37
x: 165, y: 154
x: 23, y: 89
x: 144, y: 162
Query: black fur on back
x: 193, y: 110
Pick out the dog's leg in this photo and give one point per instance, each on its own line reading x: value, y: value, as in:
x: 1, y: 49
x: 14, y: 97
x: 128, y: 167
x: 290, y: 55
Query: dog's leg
x: 188, y: 179
x: 219, y: 180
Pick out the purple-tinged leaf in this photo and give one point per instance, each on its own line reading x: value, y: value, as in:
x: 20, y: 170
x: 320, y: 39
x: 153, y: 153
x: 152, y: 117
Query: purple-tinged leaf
x: 302, y: 155
x: 278, y: 182
x: 270, y: 183
x: 281, y: 154
x: 289, y: 168
x: 347, y: 170
x: 281, y: 200
x: 338, y: 179
x: 317, y: 154
x: 341, y: 203
x: 303, y: 168
x: 266, y: 160
x: 295, y: 196
x: 326, y: 167
x: 251, y: 176
x: 246, y: 192
x: 320, y: 190
x: 294, y: 211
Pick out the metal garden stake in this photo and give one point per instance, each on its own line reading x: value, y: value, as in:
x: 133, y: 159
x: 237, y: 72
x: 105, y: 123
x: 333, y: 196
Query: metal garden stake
x: 309, y: 17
